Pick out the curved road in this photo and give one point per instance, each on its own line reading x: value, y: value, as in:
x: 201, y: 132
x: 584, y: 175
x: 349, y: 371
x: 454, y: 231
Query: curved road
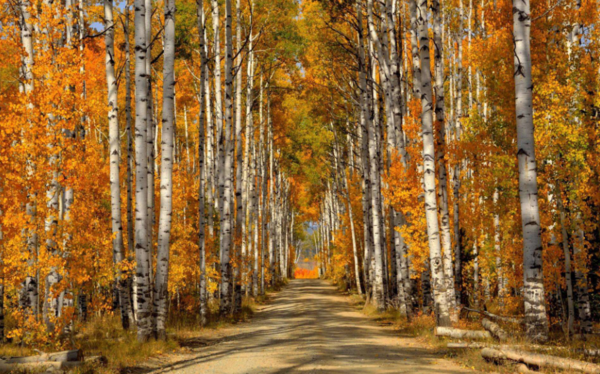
x: 310, y: 328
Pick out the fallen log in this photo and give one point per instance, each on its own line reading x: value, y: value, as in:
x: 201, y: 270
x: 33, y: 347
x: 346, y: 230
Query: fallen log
x: 461, y: 334
x: 50, y: 365
x: 466, y: 345
x: 524, y: 369
x: 31, y: 366
x: 494, y: 329
x: 539, y: 360
x: 93, y: 360
x: 64, y: 356
x: 516, y: 320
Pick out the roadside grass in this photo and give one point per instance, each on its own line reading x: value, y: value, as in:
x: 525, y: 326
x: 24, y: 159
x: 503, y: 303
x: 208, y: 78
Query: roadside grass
x: 104, y: 336
x: 421, y: 327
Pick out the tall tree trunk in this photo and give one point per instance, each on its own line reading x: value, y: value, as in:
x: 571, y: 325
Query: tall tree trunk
x: 240, y: 180
x: 440, y: 117
x: 226, y: 219
x: 271, y: 211
x: 262, y: 206
x: 204, y: 184
x: 220, y: 157
x: 457, y: 166
x: 143, y: 296
x: 150, y: 134
x: 29, y: 292
x: 255, y: 186
x: 128, y: 119
x: 114, y: 150
x: 535, y: 308
x: 435, y: 255
x: 161, y: 293
x: 210, y: 138
x: 365, y: 118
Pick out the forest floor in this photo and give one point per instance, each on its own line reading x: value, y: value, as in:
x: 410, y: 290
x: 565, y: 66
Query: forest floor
x: 307, y: 327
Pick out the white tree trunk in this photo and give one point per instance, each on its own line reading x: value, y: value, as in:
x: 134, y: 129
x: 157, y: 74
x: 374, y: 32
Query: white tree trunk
x: 440, y: 117
x: 240, y: 181
x: 130, y: 232
x: 161, y: 292
x: 150, y: 134
x: 204, y: 183
x: 143, y: 294
x: 435, y: 255
x: 225, y: 233
x: 220, y: 157
x: 114, y: 150
x: 457, y: 168
x: 535, y: 307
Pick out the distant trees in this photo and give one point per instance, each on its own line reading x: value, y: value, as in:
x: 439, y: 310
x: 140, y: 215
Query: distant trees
x: 448, y: 174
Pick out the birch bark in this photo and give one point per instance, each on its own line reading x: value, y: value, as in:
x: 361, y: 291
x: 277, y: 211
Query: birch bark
x: 128, y: 125
x: 114, y: 159
x: 440, y: 117
x: 435, y: 255
x: 161, y: 293
x: 457, y: 166
x: 240, y: 222
x: 150, y: 133
x: 203, y: 184
x: 226, y: 219
x: 143, y: 295
x: 535, y: 308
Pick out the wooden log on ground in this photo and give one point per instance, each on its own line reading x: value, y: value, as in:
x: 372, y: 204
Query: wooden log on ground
x: 462, y: 334
x: 494, y: 329
x: 495, y: 317
x: 64, y: 356
x: 92, y: 360
x: 524, y: 369
x: 466, y: 345
x: 539, y: 360
x: 50, y: 365
x: 31, y: 366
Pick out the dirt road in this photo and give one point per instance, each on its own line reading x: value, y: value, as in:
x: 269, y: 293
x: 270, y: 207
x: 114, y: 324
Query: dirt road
x: 310, y: 328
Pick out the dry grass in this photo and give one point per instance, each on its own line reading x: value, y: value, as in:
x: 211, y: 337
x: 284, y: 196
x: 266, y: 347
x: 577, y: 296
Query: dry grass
x: 421, y: 326
x: 104, y: 336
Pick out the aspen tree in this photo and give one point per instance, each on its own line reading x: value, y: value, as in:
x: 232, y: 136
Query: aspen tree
x: 114, y: 149
x: 535, y: 307
x: 435, y: 255
x: 457, y: 166
x: 150, y: 134
x: 240, y: 184
x: 142, y: 250
x: 161, y: 292
x: 29, y: 293
x: 225, y: 233
x: 128, y: 125
x: 440, y: 117
x: 220, y: 156
x: 204, y: 183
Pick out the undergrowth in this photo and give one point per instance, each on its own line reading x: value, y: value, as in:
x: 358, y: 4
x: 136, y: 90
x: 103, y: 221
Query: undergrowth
x: 103, y: 335
x: 421, y: 326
